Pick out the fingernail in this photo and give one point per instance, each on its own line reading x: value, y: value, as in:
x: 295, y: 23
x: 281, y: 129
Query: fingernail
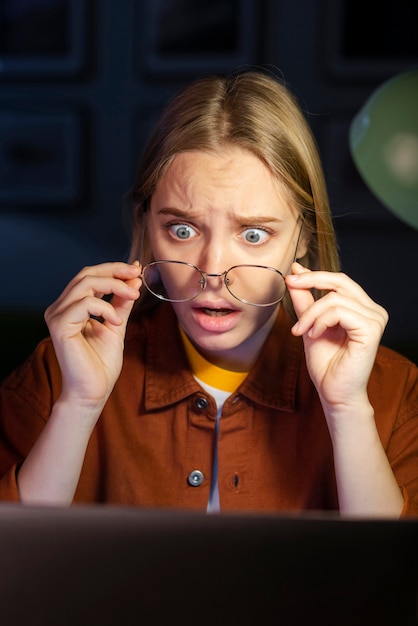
x: 295, y: 327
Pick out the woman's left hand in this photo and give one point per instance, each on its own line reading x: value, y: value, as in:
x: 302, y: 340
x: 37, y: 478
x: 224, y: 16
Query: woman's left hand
x: 341, y: 333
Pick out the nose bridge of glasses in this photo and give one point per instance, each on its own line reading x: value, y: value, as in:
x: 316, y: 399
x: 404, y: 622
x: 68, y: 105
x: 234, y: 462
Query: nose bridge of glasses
x: 207, y: 275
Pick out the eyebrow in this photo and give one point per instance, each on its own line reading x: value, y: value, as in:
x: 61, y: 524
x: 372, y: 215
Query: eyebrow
x: 244, y: 219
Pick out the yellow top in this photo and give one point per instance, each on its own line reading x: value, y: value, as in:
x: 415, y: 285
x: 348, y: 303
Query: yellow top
x: 207, y: 372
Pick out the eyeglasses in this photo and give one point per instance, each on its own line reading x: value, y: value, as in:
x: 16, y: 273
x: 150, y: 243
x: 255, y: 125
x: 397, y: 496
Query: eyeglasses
x: 178, y: 281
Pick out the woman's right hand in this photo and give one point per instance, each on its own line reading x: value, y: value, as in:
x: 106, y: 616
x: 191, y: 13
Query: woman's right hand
x: 90, y: 351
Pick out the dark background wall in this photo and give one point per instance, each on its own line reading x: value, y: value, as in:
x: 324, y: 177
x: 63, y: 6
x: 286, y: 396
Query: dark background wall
x: 82, y: 81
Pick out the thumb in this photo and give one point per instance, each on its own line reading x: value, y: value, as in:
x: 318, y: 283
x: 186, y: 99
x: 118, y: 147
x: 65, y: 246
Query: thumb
x: 302, y: 297
x: 123, y: 306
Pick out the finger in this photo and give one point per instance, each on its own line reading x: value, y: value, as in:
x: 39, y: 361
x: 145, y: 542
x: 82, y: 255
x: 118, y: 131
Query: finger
x: 123, y: 306
x: 302, y: 298
x: 94, y: 286
x: 302, y: 278
x: 124, y: 293
x: 369, y: 310
x: 75, y: 318
x: 136, y: 282
x: 364, y: 328
x: 333, y: 308
x: 357, y: 323
x: 118, y: 270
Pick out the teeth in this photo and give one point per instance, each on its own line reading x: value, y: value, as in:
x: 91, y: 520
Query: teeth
x: 216, y: 312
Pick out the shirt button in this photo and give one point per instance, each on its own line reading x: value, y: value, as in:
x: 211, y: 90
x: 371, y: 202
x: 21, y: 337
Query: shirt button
x: 196, y: 478
x: 201, y: 403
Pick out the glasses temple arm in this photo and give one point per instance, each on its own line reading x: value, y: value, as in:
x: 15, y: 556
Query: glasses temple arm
x: 299, y: 237
x: 141, y: 241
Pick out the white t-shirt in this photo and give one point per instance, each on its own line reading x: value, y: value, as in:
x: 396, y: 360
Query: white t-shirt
x: 218, y: 383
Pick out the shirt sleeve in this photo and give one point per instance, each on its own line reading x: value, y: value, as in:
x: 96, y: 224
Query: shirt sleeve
x: 26, y: 400
x: 394, y: 396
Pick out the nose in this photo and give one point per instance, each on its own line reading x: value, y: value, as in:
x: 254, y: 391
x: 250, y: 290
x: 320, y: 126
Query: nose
x: 213, y: 259
x: 215, y: 280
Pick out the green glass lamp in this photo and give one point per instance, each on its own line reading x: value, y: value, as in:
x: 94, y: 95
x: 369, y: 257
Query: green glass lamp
x: 383, y: 141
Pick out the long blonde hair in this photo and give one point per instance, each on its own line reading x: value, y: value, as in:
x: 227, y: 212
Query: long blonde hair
x: 255, y: 111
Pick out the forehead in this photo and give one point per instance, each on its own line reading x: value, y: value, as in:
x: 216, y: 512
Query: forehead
x: 233, y: 178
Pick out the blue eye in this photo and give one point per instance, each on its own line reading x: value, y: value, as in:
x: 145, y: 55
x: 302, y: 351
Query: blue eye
x: 254, y: 235
x: 182, y: 231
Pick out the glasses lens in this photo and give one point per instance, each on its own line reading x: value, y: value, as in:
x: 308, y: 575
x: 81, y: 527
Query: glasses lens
x: 256, y: 285
x: 174, y: 281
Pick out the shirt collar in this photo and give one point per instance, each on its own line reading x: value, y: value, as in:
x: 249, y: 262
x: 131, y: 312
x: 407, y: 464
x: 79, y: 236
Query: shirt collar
x: 271, y: 382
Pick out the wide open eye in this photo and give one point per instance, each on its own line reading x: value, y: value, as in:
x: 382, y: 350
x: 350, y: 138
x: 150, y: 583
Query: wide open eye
x: 182, y: 231
x: 255, y: 235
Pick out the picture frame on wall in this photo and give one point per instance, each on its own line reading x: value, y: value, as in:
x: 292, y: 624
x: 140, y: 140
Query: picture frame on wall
x: 42, y: 38
x: 185, y: 37
x: 40, y: 157
x: 361, y: 46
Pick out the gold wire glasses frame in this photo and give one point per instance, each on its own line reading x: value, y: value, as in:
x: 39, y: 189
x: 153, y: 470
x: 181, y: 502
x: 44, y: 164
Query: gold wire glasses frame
x: 243, y: 281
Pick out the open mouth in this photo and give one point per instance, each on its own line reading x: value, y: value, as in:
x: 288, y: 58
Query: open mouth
x: 216, y: 312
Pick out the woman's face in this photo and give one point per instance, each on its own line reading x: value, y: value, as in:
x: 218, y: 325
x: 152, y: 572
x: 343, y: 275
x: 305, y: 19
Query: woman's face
x: 216, y: 211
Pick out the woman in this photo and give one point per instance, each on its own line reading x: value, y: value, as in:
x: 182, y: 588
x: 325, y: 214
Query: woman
x: 215, y: 396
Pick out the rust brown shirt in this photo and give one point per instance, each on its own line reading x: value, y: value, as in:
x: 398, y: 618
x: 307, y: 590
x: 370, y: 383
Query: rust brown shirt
x: 158, y: 427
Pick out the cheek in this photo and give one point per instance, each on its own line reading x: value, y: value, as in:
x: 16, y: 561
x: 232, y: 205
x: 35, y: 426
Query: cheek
x: 262, y: 315
x: 154, y: 240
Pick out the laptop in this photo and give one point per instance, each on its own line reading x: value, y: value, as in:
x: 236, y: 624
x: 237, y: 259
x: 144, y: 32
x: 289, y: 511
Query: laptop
x: 122, y: 566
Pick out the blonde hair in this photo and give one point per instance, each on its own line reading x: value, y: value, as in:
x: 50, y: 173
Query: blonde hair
x: 256, y: 112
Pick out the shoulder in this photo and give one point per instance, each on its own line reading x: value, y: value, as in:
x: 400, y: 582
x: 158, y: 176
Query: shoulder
x: 394, y: 382
x: 153, y: 339
x: 37, y: 381
x: 389, y: 360
x: 42, y: 359
x: 143, y: 326
x: 392, y: 368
